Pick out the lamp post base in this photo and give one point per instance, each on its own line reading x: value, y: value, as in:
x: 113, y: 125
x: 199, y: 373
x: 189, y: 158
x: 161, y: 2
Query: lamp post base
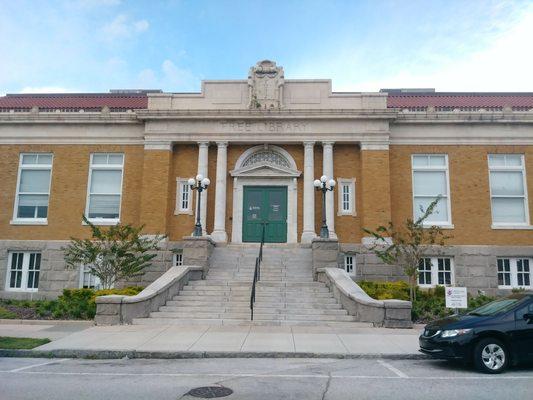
x: 197, y: 230
x: 324, y: 232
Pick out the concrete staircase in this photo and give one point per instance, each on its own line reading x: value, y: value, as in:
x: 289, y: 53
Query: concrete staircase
x: 285, y: 295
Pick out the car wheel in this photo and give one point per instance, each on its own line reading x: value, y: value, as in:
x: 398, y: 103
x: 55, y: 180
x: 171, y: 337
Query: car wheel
x: 491, y: 356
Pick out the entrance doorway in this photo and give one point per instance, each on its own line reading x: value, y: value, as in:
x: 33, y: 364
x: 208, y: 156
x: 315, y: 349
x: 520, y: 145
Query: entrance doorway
x: 265, y: 205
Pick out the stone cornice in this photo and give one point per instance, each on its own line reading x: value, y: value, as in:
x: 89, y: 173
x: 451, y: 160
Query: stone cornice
x: 265, y: 115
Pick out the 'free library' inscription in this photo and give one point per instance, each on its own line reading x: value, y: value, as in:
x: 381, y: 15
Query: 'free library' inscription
x: 264, y: 127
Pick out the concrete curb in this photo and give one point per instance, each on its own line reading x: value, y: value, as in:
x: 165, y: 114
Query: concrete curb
x: 112, y: 354
x: 46, y: 322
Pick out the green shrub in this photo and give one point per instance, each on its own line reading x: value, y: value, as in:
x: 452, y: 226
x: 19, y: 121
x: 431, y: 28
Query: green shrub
x: 80, y: 303
x: 430, y: 304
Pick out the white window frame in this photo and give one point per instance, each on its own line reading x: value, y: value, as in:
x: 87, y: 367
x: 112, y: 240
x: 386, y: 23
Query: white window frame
x: 435, y: 273
x: 105, y: 167
x: 180, y: 183
x: 25, y: 271
x: 513, y: 271
x: 350, y: 259
x: 92, y: 278
x: 350, y: 182
x: 506, y: 168
x: 177, y: 258
x: 32, y: 221
x: 444, y: 223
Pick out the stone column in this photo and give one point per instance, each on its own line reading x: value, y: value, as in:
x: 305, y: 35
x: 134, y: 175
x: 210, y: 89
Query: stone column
x: 219, y: 233
x: 203, y: 149
x: 374, y: 187
x: 327, y: 169
x: 156, y: 186
x: 309, y: 194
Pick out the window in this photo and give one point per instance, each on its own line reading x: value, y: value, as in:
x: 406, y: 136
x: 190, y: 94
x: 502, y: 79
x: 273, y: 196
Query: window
x: 88, y: 280
x: 508, y: 189
x: 514, y: 273
x: 431, y: 180
x: 33, y: 188
x: 23, y: 271
x: 105, y: 187
x: 433, y: 271
x: 346, y: 196
x: 349, y: 264
x: 177, y: 259
x: 183, y: 197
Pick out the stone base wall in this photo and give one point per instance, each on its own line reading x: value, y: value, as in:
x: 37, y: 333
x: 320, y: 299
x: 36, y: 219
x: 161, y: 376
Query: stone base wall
x: 54, y: 276
x: 475, y: 267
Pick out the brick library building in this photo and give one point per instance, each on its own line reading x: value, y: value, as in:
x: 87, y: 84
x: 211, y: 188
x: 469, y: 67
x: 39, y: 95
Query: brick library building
x: 127, y: 157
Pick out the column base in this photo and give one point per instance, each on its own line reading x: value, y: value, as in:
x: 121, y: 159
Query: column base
x: 219, y: 236
x: 332, y: 235
x: 307, y: 237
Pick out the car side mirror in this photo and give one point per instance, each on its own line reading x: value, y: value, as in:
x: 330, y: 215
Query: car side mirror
x: 528, y: 317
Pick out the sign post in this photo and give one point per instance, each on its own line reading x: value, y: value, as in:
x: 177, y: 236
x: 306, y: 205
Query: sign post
x: 456, y: 297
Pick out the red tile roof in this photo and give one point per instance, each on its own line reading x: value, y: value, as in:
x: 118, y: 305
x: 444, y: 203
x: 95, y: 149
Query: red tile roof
x: 74, y: 101
x: 414, y: 101
x: 447, y: 101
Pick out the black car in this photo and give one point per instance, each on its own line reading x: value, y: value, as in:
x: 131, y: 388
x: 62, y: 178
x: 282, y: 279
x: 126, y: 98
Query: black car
x: 492, y: 336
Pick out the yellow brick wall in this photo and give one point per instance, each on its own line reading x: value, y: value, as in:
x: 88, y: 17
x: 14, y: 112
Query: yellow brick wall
x: 469, y: 189
x: 68, y: 189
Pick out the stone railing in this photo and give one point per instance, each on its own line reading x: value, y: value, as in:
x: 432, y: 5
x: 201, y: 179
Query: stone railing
x: 117, y: 309
x: 386, y: 313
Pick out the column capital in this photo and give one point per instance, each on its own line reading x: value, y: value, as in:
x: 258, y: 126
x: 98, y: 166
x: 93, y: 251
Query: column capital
x: 309, y: 143
x: 222, y: 144
x: 328, y: 143
x: 203, y: 144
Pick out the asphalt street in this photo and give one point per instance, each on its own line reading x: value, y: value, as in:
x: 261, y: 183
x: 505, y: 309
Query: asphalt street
x: 58, y: 379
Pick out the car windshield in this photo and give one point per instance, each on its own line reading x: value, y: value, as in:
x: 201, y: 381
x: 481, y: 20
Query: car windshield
x: 496, y: 307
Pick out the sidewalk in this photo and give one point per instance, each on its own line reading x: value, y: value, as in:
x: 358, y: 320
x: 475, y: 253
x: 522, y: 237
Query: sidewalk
x: 166, y: 341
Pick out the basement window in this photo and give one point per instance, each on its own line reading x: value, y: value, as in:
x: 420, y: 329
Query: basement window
x: 433, y: 271
x: 514, y: 273
x: 23, y: 271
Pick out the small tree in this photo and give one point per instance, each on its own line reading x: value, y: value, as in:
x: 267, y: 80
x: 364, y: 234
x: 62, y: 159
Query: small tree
x: 408, y: 244
x: 112, y: 254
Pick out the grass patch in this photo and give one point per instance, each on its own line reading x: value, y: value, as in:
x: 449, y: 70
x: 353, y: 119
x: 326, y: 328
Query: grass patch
x: 15, y: 343
x: 6, y: 314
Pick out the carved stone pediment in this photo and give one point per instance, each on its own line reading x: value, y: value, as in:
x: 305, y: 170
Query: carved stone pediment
x: 265, y: 82
x: 265, y: 169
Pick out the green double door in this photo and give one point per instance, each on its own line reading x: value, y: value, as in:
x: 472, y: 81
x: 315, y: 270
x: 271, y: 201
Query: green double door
x: 265, y: 205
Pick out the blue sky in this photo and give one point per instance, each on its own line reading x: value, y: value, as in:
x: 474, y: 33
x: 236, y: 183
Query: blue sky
x: 97, y: 45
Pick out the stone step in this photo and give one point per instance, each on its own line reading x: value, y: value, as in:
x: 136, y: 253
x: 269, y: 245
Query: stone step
x: 257, y: 316
x: 258, y: 298
x: 259, y: 310
x: 260, y: 293
x: 247, y: 322
x: 246, y: 304
x: 259, y: 288
x: 201, y: 285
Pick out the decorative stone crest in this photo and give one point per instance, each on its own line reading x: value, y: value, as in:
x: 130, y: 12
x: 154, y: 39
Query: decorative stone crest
x: 265, y: 85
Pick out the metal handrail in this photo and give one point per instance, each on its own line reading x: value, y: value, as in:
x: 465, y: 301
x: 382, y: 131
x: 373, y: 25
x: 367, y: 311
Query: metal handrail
x: 257, y: 272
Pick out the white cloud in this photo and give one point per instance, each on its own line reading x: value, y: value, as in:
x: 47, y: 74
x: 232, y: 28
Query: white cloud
x: 505, y: 63
x: 46, y: 89
x: 122, y: 27
x: 170, y: 77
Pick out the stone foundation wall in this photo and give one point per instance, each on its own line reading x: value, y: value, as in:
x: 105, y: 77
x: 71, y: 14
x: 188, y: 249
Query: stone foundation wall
x: 54, y: 276
x: 474, y: 266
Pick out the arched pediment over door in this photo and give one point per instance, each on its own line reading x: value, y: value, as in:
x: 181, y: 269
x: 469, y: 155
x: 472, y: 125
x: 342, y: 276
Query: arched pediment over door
x: 265, y: 160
